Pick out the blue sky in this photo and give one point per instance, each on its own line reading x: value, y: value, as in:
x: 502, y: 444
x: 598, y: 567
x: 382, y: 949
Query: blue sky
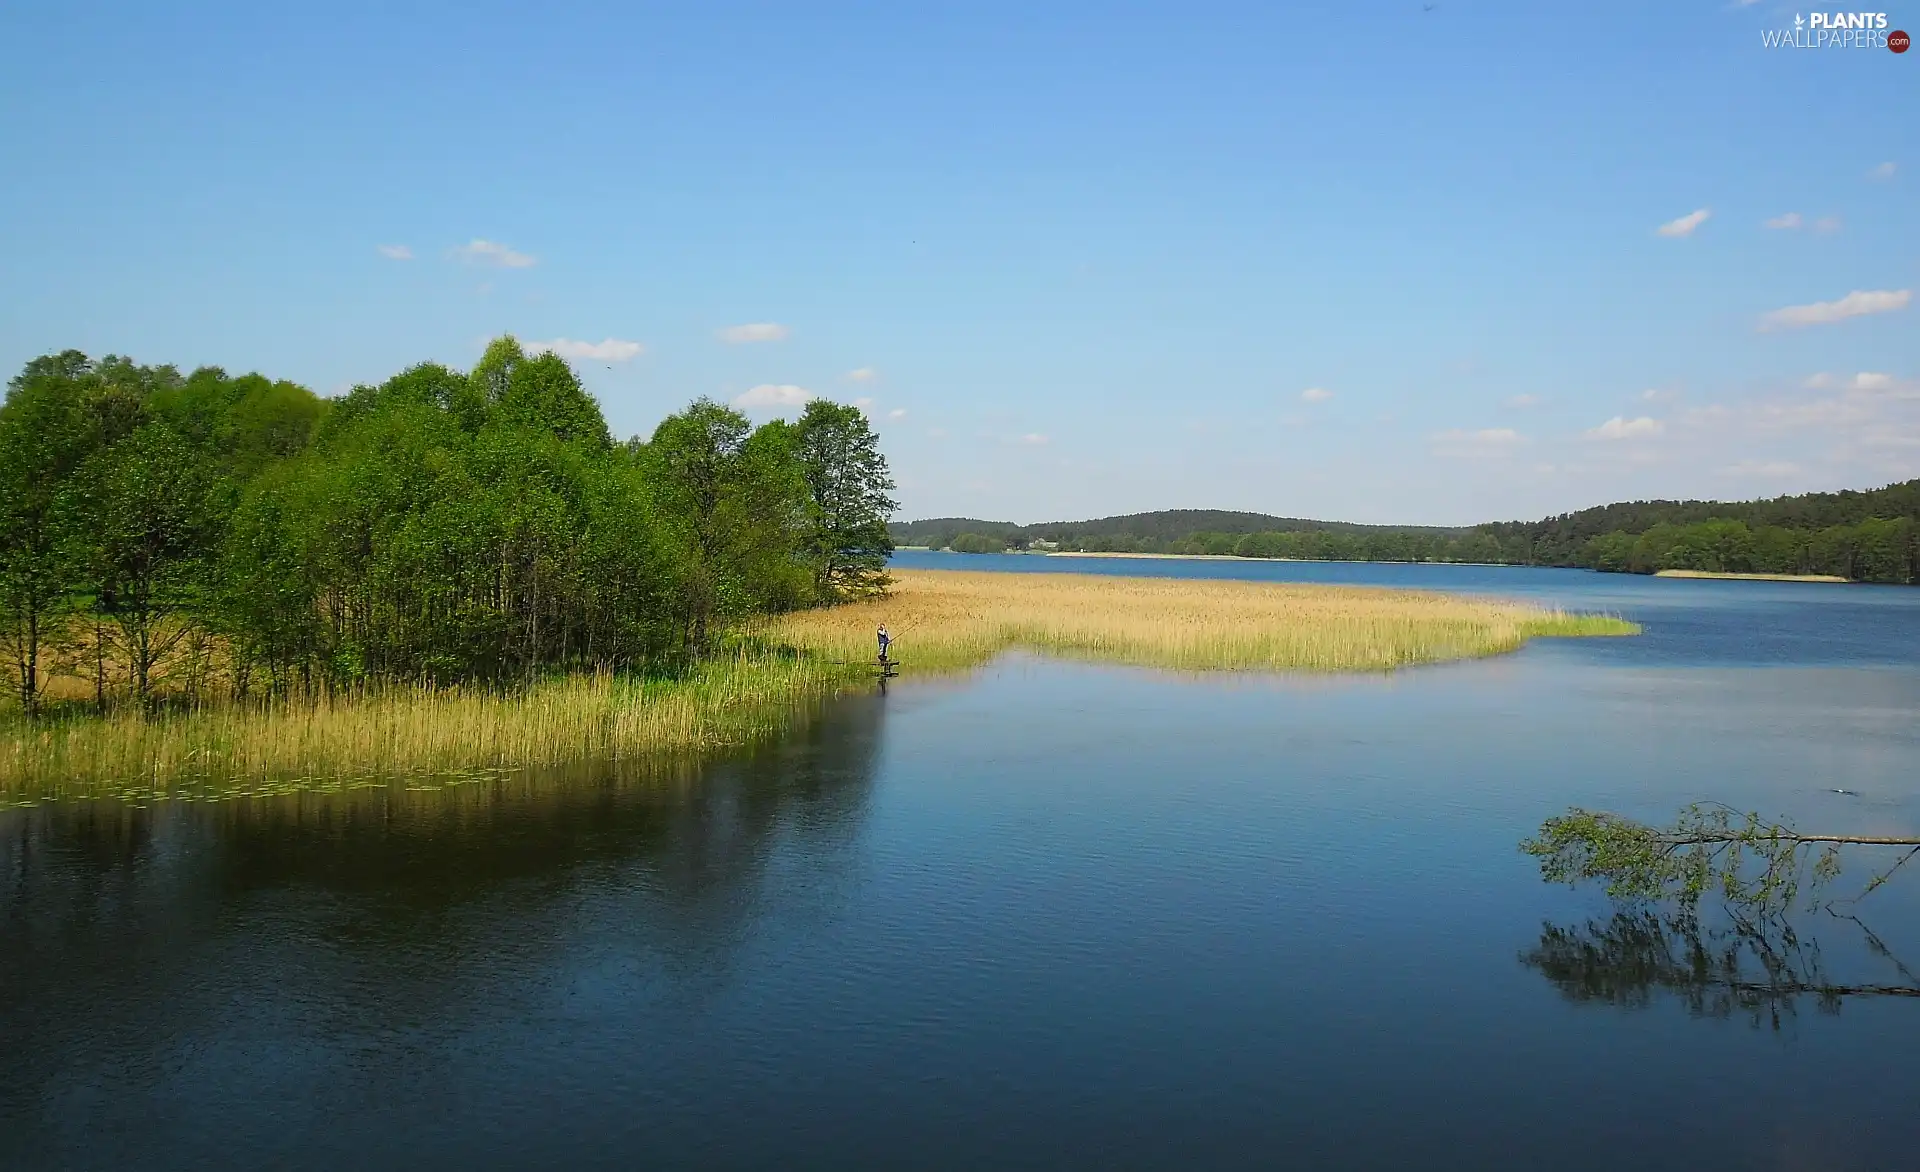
x: 1357, y: 261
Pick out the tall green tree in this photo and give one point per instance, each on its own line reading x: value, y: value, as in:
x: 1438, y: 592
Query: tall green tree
x: 148, y: 542
x: 850, y: 497
x: 733, y: 509
x: 46, y: 431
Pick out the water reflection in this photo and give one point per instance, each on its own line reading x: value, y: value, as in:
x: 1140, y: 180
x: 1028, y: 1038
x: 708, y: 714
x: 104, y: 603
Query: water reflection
x: 1759, y: 971
x: 138, y: 944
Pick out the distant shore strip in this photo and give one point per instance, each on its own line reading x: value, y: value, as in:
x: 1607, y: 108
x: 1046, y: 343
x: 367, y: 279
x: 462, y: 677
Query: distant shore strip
x: 1752, y: 577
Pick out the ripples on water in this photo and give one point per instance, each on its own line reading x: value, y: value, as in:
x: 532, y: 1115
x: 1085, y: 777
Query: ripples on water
x: 1052, y: 915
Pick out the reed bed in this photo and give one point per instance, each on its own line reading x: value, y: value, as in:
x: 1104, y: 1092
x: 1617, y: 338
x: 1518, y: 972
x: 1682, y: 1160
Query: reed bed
x: 945, y: 619
x: 345, y: 741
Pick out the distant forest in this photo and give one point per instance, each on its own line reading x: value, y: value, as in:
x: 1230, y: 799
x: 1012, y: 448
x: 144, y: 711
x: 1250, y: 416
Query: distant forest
x: 1871, y: 536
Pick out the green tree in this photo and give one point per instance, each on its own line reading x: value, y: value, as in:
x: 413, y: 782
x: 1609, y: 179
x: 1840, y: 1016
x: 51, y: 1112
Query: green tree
x: 147, y: 524
x: 543, y: 394
x: 981, y: 543
x: 46, y: 431
x: 1757, y: 866
x: 1610, y: 551
x: 734, y: 507
x: 849, y: 493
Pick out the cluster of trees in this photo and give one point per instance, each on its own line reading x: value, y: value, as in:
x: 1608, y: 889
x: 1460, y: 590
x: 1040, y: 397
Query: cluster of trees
x: 1824, y: 525
x: 1878, y: 550
x: 441, y: 526
x: 977, y: 543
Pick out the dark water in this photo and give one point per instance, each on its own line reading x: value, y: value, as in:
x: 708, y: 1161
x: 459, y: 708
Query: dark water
x: 1052, y: 915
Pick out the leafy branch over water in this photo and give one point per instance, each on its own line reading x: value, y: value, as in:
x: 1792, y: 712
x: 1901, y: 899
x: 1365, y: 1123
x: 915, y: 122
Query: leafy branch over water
x: 1756, y: 964
x: 1759, y: 867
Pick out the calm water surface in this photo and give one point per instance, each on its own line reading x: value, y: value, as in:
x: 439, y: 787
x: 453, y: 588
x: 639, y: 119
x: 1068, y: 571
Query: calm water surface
x: 1049, y: 915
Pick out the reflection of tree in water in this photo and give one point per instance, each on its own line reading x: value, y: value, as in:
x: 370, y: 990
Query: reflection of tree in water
x: 124, y: 931
x: 1760, y: 970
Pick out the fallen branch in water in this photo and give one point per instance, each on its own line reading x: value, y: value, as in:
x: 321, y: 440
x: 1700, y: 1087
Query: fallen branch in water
x: 1758, y: 866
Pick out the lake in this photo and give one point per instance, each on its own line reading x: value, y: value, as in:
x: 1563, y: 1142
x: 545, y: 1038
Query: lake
x: 1046, y: 915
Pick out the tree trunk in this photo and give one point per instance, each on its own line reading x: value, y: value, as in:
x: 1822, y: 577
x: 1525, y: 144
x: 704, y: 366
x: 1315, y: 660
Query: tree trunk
x: 99, y: 666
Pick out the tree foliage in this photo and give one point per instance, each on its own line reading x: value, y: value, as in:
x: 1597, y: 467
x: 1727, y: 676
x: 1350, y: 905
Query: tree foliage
x: 1757, y: 866
x: 978, y: 543
x: 849, y: 499
x: 1754, y: 962
x: 440, y: 526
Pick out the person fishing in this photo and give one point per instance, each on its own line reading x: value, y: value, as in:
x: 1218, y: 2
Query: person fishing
x: 884, y: 640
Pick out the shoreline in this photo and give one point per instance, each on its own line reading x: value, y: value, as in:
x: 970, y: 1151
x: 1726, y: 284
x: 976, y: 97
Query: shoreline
x: 1234, y: 557
x: 1181, y: 557
x: 948, y: 620
x: 1714, y: 575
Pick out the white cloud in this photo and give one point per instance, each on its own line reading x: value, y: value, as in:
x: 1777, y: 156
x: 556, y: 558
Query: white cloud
x: 1522, y: 401
x: 863, y: 402
x: 1883, y: 171
x: 775, y: 395
x: 1762, y: 469
x: 396, y: 251
x: 759, y: 331
x: 1685, y: 225
x: 610, y: 350
x: 1854, y: 427
x: 864, y: 374
x: 1827, y: 225
x: 1619, y: 428
x: 1789, y: 221
x: 1486, y: 443
x: 1656, y: 395
x: 1858, y: 303
x: 897, y: 413
x: 488, y: 252
x: 1315, y: 395
x: 1032, y: 439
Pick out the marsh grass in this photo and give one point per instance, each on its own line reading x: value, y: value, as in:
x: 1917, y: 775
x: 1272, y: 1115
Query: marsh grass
x: 944, y: 621
x: 343, y: 741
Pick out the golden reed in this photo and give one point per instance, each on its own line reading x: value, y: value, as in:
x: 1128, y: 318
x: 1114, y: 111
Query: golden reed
x: 943, y: 620
x: 949, y: 618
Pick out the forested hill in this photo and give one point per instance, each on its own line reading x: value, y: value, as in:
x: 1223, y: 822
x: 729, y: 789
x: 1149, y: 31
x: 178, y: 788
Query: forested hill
x: 1559, y: 540
x: 1871, y: 536
x: 1167, y: 525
